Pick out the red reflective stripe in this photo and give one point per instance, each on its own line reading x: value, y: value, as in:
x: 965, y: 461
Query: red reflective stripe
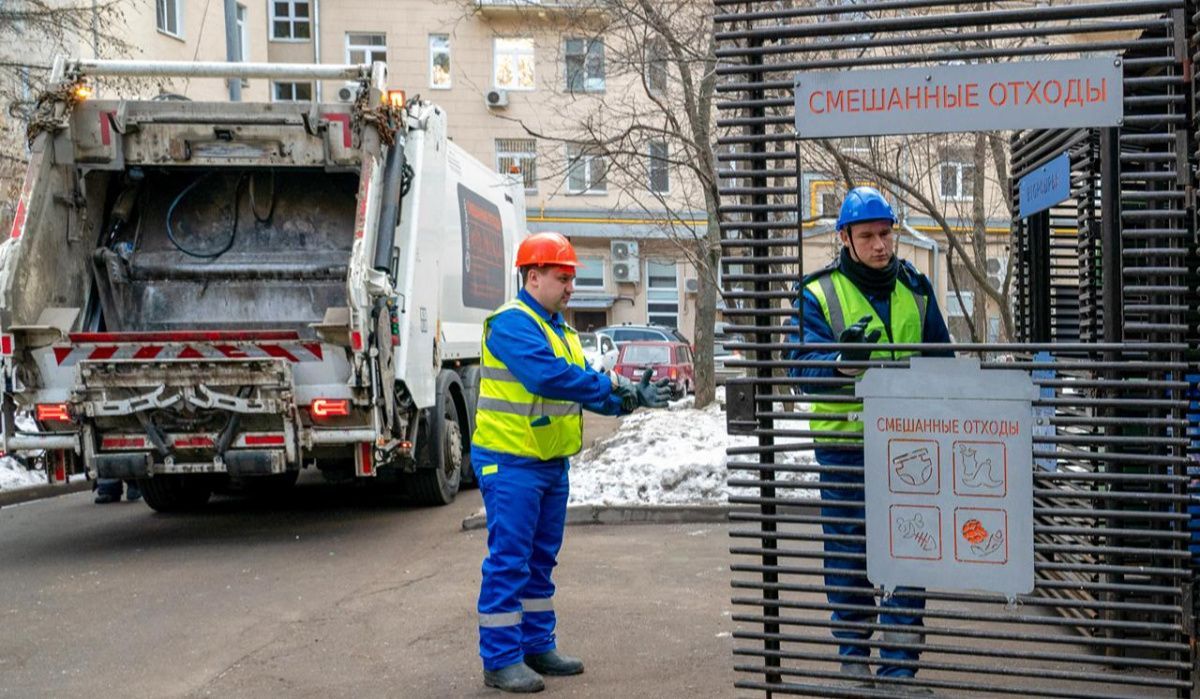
x: 314, y: 348
x: 255, y: 440
x: 231, y: 352
x: 61, y: 353
x: 6, y: 345
x: 122, y: 442
x: 190, y: 353
x: 147, y: 352
x: 105, y: 352
x: 278, y: 351
x: 18, y: 226
x: 60, y: 467
x: 344, y: 119
x: 364, y: 453
x: 186, y: 336
x: 105, y: 129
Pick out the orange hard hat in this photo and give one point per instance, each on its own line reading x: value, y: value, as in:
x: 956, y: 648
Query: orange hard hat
x: 546, y: 249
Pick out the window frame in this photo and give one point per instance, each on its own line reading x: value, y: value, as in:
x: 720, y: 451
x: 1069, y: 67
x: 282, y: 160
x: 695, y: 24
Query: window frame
x: 528, y: 175
x: 516, y: 54
x: 292, y: 19
x: 965, y: 192
x: 601, y: 265
x: 275, y: 84
x: 586, y: 56
x: 162, y: 28
x: 657, y: 68
x: 650, y: 291
x: 367, y: 49
x: 435, y: 51
x: 241, y: 16
x: 588, y: 160
x: 651, y: 159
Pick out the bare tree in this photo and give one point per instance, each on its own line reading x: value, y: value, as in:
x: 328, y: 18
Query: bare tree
x: 653, y: 125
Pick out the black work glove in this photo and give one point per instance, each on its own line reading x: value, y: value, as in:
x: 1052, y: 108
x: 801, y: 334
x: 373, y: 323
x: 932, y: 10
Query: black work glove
x: 653, y: 395
x: 858, y: 333
x: 626, y: 391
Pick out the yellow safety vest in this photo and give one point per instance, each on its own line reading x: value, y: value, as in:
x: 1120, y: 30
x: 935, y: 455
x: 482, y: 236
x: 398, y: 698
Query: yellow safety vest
x: 511, y: 420
x: 849, y: 304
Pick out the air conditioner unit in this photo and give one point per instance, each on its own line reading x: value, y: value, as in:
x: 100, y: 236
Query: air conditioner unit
x: 623, y: 250
x: 496, y: 99
x: 626, y: 272
x: 691, y: 286
x: 625, y: 266
x: 347, y: 92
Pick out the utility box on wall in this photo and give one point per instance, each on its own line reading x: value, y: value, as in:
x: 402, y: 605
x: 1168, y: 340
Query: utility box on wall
x: 626, y: 267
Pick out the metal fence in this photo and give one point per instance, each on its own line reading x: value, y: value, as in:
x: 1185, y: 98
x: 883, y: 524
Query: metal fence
x: 1104, y: 306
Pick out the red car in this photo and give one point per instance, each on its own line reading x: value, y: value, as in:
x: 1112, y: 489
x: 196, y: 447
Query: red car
x: 669, y: 360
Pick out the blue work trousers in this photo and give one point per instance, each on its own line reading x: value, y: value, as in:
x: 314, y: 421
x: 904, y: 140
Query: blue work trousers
x: 526, y: 514
x: 853, y: 497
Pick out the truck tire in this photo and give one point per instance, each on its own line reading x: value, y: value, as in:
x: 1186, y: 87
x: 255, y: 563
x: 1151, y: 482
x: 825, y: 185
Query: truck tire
x: 470, y: 379
x: 175, y: 493
x: 436, y: 481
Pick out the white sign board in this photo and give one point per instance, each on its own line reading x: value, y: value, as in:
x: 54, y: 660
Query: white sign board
x: 1079, y: 92
x: 949, y: 476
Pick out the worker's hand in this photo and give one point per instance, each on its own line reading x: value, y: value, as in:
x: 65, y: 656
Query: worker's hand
x: 653, y: 395
x: 857, y: 333
x: 626, y: 391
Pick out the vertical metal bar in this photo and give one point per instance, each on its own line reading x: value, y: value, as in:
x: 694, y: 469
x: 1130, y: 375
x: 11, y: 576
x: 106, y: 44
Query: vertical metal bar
x: 1110, y: 232
x: 1040, y: 301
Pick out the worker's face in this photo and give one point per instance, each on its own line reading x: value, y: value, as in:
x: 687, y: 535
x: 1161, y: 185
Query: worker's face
x: 870, y: 243
x: 552, y: 287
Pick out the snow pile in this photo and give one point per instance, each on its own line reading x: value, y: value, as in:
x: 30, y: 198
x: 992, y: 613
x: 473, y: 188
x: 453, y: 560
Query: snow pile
x: 14, y: 475
x: 672, y: 457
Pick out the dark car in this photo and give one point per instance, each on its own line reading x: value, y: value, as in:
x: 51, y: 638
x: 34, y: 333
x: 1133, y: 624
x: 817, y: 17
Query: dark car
x: 668, y: 360
x: 621, y: 334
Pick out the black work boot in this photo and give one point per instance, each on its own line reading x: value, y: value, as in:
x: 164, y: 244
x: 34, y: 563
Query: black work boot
x: 516, y: 678
x: 553, y: 664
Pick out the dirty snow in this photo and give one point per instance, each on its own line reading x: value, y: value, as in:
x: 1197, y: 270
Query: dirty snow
x: 14, y: 475
x: 673, y: 457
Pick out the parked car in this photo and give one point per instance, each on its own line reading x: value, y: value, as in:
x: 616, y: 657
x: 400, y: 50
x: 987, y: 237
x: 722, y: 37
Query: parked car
x: 642, y: 333
x: 669, y: 360
x: 722, y: 353
x: 600, y: 351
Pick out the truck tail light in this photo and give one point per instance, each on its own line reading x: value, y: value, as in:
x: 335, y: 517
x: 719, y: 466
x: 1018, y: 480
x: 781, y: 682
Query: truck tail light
x: 53, y: 412
x: 330, y: 407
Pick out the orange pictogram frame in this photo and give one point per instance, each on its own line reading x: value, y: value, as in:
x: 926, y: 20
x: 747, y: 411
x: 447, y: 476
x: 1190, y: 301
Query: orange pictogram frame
x: 1003, y: 492
x: 937, y: 514
x: 937, y: 467
x: 961, y: 515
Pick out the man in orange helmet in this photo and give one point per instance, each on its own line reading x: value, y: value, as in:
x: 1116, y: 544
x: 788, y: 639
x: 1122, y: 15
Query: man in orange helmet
x: 533, y: 387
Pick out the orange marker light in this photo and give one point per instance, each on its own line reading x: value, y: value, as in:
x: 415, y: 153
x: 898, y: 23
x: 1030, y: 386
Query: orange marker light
x: 395, y: 98
x: 330, y: 407
x: 53, y: 412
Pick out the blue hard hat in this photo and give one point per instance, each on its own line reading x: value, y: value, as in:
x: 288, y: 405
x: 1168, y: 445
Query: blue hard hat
x: 864, y: 204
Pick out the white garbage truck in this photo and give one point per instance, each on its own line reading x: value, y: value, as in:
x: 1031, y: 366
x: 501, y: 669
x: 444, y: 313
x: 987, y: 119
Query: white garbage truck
x: 208, y: 295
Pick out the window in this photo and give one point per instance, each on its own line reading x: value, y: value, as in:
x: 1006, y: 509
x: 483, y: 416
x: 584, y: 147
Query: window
x: 829, y: 204
x: 519, y: 153
x: 585, y: 65
x: 439, y: 61
x: 585, y: 172
x: 512, y: 65
x: 856, y: 144
x: 243, y: 41
x: 660, y: 174
x: 167, y: 15
x: 956, y: 310
x: 590, y: 273
x: 290, y: 20
x: 292, y: 92
x: 957, y: 180
x: 647, y: 354
x: 366, y: 48
x: 662, y: 294
x: 656, y: 67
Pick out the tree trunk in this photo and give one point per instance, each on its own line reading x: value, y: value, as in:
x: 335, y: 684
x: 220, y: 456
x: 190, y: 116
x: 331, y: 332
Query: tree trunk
x: 979, y: 233
x: 706, y: 306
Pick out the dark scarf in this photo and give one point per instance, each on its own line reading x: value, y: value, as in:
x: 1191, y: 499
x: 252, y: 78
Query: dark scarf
x: 876, y: 283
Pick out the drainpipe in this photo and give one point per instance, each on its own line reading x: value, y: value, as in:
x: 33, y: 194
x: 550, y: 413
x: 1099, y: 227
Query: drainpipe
x: 232, y: 48
x: 317, y: 43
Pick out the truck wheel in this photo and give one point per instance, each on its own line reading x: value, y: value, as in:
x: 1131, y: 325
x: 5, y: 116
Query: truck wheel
x: 175, y: 493
x: 470, y: 379
x: 436, y: 481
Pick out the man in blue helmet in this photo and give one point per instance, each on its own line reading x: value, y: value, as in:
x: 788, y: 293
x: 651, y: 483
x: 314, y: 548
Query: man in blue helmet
x: 866, y: 295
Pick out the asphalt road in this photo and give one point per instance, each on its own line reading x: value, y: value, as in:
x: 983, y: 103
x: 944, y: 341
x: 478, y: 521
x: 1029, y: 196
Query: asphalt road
x: 335, y: 592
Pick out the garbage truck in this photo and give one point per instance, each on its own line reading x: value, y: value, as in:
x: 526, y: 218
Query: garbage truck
x: 211, y: 295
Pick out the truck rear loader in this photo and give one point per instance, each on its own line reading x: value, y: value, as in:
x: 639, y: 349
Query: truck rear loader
x: 202, y: 295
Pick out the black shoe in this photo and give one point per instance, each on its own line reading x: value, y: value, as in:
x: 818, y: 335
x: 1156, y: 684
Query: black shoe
x: 517, y: 678
x: 105, y: 498
x: 553, y: 664
x: 133, y: 493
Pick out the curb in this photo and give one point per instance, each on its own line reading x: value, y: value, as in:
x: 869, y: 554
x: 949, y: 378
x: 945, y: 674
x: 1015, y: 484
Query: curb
x: 640, y: 514
x: 17, y: 496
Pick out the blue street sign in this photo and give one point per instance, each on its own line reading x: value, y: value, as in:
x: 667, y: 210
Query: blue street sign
x: 1046, y: 186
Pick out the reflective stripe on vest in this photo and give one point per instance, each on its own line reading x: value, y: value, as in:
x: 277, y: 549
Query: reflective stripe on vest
x: 511, y: 420
x: 848, y: 303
